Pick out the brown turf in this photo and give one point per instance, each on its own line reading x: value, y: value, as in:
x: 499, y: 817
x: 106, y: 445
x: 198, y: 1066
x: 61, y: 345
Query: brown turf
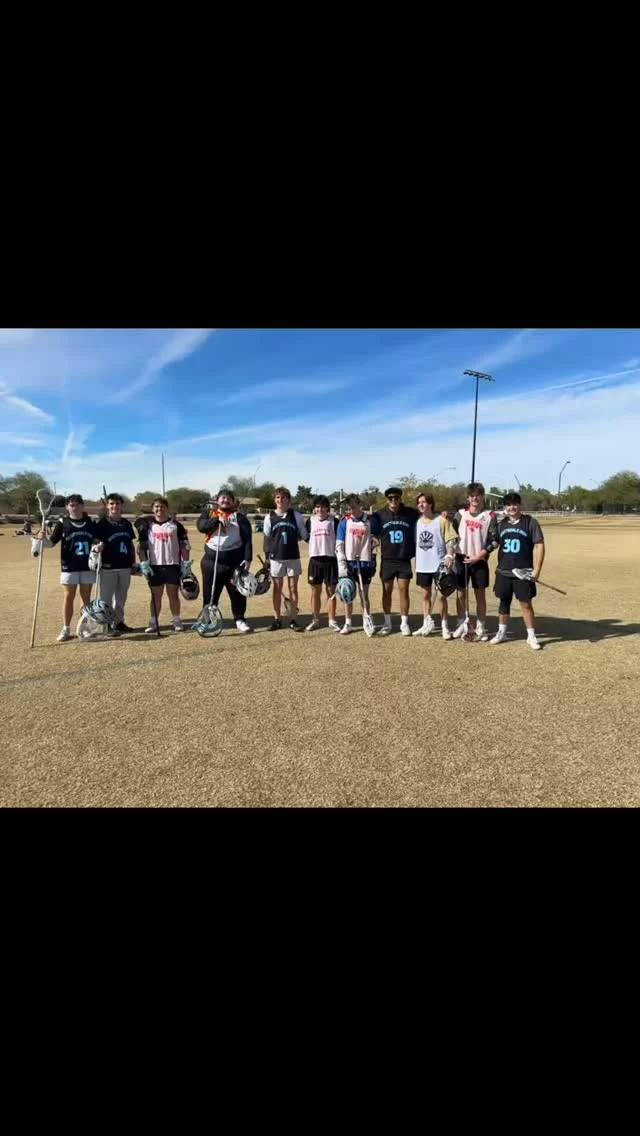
x: 325, y: 720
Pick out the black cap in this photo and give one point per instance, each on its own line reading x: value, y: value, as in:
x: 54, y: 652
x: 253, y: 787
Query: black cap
x: 74, y: 499
x: 394, y: 489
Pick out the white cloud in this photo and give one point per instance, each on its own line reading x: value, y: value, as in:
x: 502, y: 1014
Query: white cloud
x: 631, y: 364
x: 9, y: 439
x: 13, y: 335
x: 23, y: 406
x: 283, y: 388
x: 182, y: 344
x: 522, y: 345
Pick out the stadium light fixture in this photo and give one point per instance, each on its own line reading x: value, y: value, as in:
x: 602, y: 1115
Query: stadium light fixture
x: 477, y: 375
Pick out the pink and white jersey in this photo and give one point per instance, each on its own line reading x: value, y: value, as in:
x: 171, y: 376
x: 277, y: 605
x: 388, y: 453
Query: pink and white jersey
x: 472, y: 531
x: 357, y: 539
x: 322, y: 536
x: 164, y: 547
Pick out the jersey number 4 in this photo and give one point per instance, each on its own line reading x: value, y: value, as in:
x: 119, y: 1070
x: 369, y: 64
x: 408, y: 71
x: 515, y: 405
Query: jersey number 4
x: 512, y: 545
x: 123, y: 548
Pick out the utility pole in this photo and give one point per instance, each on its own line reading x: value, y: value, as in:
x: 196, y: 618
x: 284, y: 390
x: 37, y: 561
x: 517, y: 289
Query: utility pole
x: 477, y: 375
x: 560, y: 475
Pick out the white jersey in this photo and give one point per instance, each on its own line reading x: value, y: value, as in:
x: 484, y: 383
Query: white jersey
x: 322, y: 536
x: 164, y: 545
x: 430, y: 546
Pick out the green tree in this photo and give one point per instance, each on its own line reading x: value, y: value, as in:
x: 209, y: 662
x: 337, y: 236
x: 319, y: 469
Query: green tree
x: 142, y: 502
x: 303, y: 498
x: 186, y: 500
x: 265, y: 493
x: 23, y: 488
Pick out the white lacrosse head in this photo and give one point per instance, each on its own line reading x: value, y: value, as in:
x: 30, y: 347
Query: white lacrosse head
x: 245, y: 582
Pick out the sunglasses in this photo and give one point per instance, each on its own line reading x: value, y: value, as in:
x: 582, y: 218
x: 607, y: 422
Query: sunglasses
x: 393, y: 497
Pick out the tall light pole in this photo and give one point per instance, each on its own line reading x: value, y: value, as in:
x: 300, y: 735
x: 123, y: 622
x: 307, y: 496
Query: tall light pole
x: 477, y: 375
x: 560, y: 475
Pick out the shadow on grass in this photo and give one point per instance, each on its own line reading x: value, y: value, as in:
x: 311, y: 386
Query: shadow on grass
x: 555, y: 629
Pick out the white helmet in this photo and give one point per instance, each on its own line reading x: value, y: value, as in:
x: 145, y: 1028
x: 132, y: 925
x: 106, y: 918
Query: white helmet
x: 245, y: 582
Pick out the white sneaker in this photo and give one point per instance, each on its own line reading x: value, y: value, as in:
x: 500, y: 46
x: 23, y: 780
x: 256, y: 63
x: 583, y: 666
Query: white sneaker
x: 178, y: 625
x: 446, y: 634
x: 421, y: 631
x: 346, y: 630
x: 151, y: 629
x: 459, y: 631
x: 481, y: 633
x: 244, y: 628
x: 386, y: 629
x: 497, y: 639
x: 313, y: 626
x: 533, y: 643
x: 333, y: 626
x: 405, y: 629
x: 64, y: 636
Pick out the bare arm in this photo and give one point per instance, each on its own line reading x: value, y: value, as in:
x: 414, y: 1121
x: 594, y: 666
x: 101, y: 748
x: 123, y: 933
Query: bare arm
x: 538, y: 559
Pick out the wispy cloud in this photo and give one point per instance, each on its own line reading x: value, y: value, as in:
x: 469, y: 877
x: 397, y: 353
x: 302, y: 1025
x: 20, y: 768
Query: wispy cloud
x: 631, y: 363
x: 13, y: 335
x: 23, y: 406
x: 19, y: 440
x: 284, y: 388
x: 182, y: 344
x: 523, y: 345
x: 75, y: 445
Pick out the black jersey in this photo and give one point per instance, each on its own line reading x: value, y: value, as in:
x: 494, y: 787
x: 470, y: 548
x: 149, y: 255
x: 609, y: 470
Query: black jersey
x: 284, y: 539
x: 118, y: 538
x: 516, y: 540
x: 75, y: 539
x: 397, y: 532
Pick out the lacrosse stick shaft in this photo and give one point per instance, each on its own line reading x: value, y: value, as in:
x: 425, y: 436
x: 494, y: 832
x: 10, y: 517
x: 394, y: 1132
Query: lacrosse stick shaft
x: 35, y: 608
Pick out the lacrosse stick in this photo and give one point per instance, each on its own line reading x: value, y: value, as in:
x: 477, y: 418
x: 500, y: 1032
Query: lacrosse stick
x: 470, y: 634
x: 45, y: 501
x: 527, y: 574
x: 368, y: 626
x: 97, y: 616
x: 209, y: 623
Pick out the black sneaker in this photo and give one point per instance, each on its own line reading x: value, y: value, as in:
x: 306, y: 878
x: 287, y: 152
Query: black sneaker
x: 294, y: 626
x: 275, y: 626
x: 123, y: 627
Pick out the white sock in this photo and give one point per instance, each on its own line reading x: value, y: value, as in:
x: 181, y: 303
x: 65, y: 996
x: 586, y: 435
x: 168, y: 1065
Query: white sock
x: 66, y: 627
x: 479, y: 625
x: 347, y: 622
x: 531, y: 632
x: 387, y: 621
x: 426, y: 620
x: 445, y: 623
x: 502, y: 630
x: 404, y: 619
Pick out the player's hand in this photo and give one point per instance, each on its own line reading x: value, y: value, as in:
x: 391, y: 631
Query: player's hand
x: 472, y: 559
x: 534, y: 575
x: 99, y: 547
x: 448, y: 561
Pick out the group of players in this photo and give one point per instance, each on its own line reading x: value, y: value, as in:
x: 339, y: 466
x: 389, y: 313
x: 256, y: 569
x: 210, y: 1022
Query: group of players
x: 339, y: 548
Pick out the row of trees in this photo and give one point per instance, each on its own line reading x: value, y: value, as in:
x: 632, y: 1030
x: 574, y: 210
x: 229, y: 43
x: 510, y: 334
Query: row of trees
x: 621, y: 492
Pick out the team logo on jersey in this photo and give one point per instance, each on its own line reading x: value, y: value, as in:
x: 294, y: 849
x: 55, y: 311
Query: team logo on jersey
x: 425, y: 541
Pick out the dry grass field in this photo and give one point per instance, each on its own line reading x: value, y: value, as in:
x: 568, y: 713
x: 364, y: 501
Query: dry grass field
x: 286, y: 719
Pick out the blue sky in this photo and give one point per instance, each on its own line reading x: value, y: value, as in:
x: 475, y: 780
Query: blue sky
x: 321, y: 407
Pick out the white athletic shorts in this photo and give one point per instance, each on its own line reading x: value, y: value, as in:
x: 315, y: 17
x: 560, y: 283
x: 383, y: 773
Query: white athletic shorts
x: 280, y: 568
x: 77, y: 577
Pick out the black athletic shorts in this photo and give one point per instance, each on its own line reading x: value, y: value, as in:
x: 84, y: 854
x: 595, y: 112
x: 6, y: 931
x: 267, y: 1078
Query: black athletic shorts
x: 323, y: 570
x: 506, y: 587
x: 425, y: 579
x: 367, y: 574
x: 478, y: 573
x: 164, y: 574
x: 396, y: 570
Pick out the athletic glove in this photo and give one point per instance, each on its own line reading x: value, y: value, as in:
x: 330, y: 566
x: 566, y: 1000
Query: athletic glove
x: 36, y: 547
x: 186, y: 568
x: 343, y: 567
x: 94, y: 560
x: 146, y: 569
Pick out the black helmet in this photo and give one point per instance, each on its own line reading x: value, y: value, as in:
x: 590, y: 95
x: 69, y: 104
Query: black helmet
x: 446, y: 582
x: 189, y: 587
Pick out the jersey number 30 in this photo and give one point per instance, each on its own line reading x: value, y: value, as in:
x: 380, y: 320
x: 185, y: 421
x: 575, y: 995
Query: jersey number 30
x: 512, y: 545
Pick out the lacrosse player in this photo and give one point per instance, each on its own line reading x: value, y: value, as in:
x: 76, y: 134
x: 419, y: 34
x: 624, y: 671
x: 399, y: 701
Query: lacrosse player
x: 75, y: 534
x: 163, y: 546
x: 396, y: 527
x: 323, y: 566
x: 436, y: 541
x: 520, y: 543
x: 472, y: 527
x: 354, y: 548
x: 284, y: 528
x: 116, y: 545
x: 228, y: 533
